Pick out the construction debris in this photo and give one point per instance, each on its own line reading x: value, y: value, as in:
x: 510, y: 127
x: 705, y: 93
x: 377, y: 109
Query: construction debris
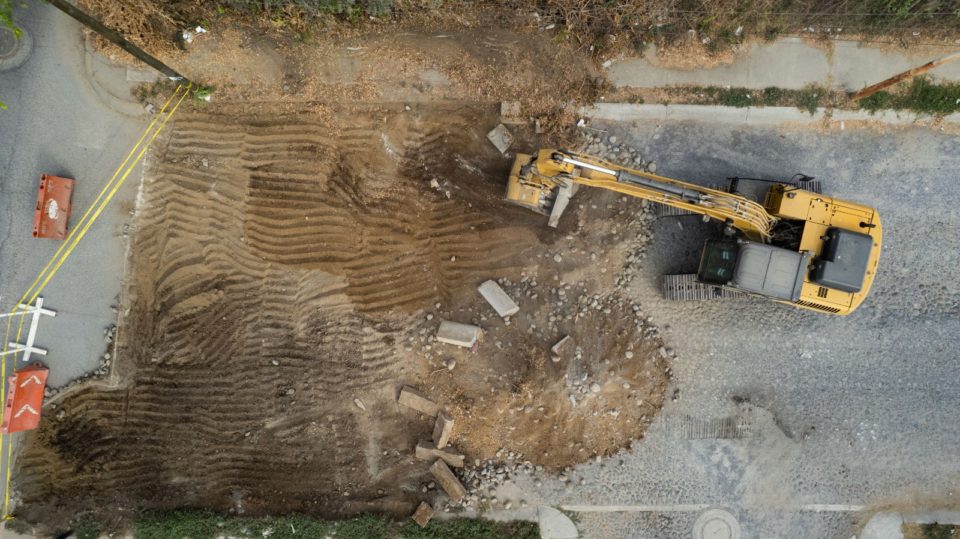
x: 501, y: 138
x: 561, y: 345
x: 498, y: 299
x: 423, y: 514
x: 449, y: 482
x: 412, y: 398
x: 510, y: 112
x: 564, y: 195
x: 426, y: 450
x: 458, y: 334
x: 442, y: 430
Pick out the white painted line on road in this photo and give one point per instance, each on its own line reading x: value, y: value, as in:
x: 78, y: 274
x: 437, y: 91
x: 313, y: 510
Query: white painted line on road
x: 674, y: 508
x: 691, y: 507
x: 833, y: 507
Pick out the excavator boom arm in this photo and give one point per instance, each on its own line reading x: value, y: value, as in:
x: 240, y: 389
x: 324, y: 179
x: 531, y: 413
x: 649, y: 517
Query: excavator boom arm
x: 555, y: 168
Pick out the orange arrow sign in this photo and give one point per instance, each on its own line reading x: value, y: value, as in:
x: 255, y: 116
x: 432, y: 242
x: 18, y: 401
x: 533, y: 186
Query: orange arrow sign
x: 33, y: 379
x: 26, y: 397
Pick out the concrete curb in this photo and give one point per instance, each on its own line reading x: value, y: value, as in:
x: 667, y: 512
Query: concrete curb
x: 761, y: 116
x: 100, y: 89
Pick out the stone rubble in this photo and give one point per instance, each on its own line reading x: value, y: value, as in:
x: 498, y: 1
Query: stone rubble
x: 423, y: 514
x: 448, y: 481
x: 413, y: 398
x: 613, y: 150
x: 442, y: 430
x: 106, y: 360
x: 567, y: 302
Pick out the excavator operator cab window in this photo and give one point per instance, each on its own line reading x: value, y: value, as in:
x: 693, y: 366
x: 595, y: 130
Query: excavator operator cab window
x: 717, y: 262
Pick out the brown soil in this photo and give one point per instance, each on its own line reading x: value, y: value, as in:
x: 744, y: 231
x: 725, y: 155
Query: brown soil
x: 247, y: 64
x: 286, y: 262
x: 691, y: 53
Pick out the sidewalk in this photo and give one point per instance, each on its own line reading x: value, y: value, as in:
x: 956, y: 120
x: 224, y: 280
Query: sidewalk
x: 788, y: 63
x: 113, y: 83
x: 756, y: 116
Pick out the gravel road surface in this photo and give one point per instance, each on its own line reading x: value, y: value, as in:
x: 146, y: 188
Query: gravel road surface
x: 796, y: 423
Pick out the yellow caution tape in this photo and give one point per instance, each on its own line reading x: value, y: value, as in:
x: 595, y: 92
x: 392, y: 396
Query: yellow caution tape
x: 66, y: 248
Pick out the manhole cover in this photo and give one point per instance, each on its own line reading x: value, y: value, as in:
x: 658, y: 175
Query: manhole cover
x: 13, y: 51
x: 716, y: 524
x: 9, y: 44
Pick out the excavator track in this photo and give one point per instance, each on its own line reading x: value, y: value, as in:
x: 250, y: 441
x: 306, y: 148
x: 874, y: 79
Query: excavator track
x: 685, y: 287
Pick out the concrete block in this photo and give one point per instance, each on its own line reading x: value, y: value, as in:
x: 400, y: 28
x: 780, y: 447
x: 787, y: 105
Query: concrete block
x: 426, y: 450
x: 448, y: 482
x: 562, y: 345
x: 442, y: 430
x: 465, y: 335
x: 511, y: 112
x: 501, y: 137
x: 418, y: 401
x: 423, y: 514
x: 560, y: 204
x: 498, y: 299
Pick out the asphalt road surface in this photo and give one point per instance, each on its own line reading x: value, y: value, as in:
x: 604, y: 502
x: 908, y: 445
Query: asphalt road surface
x: 795, y: 423
x: 56, y: 125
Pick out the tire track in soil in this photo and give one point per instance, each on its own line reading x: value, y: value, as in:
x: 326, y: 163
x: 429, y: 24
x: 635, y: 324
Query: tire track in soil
x: 276, y: 263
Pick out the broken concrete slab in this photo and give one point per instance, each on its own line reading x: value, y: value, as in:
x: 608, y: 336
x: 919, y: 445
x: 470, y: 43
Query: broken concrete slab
x: 423, y: 514
x: 561, y: 345
x: 511, y: 112
x: 426, y: 450
x: 501, y: 137
x: 564, y: 195
x: 498, y: 299
x: 448, y: 482
x: 465, y: 335
x: 412, y: 398
x: 442, y: 430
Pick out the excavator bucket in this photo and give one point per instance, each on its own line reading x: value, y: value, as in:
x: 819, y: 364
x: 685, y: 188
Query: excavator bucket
x: 530, y: 196
x: 545, y: 197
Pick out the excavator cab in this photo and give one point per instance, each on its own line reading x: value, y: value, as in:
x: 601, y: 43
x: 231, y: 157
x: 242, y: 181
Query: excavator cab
x: 718, y: 260
x: 754, y: 268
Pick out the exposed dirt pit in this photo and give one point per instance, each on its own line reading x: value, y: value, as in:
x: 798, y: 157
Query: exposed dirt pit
x: 285, y: 264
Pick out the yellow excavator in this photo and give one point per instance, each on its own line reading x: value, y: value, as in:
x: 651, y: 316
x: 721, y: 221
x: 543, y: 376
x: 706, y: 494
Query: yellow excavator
x: 799, y: 247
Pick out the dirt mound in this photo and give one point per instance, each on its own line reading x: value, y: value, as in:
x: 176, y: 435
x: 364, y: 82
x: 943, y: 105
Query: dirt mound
x: 590, y: 401
x: 285, y: 264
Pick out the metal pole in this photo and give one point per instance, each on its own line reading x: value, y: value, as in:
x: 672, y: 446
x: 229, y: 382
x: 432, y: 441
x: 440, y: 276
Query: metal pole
x: 899, y: 77
x: 116, y: 38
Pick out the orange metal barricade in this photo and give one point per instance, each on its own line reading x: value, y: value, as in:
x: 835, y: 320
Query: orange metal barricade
x: 24, y: 399
x: 53, y: 207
